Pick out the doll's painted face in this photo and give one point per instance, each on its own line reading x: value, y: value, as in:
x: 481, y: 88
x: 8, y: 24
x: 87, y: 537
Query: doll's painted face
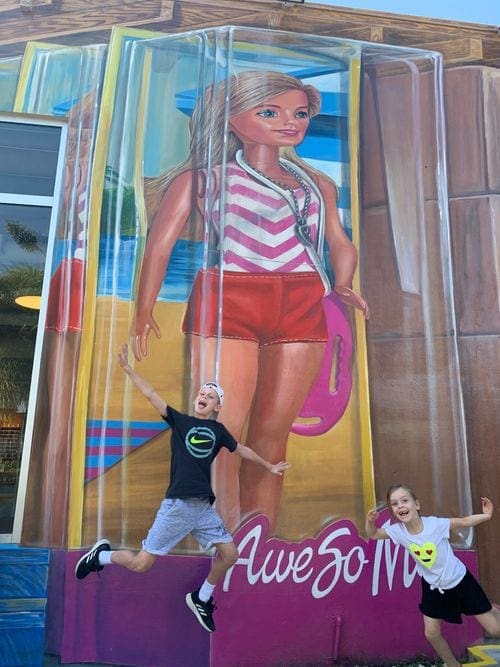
x: 282, y: 121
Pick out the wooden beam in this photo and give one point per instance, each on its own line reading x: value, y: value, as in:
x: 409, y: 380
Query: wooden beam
x: 378, y: 27
x: 310, y: 13
x: 90, y: 21
x: 433, y: 32
x: 29, y: 5
x: 491, y: 49
x: 369, y: 33
x: 456, y: 51
x: 77, y: 16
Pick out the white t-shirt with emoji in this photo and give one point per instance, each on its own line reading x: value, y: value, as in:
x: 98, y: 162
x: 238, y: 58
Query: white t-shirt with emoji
x: 432, y: 551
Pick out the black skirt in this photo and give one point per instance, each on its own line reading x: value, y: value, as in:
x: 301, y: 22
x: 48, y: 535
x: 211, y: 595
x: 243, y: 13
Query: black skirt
x: 467, y: 597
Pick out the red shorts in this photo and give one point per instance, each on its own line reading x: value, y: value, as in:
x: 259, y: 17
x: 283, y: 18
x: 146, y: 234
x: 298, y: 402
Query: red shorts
x: 268, y: 308
x: 65, y: 304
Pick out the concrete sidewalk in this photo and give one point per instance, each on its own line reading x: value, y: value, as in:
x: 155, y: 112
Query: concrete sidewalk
x: 487, y: 653
x: 54, y: 661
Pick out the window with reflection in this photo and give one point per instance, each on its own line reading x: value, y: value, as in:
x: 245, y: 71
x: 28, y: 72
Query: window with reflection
x: 29, y: 158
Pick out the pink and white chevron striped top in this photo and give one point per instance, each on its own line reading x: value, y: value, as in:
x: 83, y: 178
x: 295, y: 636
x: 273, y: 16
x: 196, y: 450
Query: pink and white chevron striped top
x: 259, y: 223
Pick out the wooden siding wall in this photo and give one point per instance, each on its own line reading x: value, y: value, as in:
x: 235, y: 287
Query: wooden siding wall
x: 89, y: 21
x: 472, y: 98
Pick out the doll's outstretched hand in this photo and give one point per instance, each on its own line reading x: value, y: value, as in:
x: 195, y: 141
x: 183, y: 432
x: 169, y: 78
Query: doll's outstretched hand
x: 140, y: 333
x: 352, y: 298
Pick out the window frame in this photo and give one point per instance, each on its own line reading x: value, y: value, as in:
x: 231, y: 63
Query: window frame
x: 53, y: 202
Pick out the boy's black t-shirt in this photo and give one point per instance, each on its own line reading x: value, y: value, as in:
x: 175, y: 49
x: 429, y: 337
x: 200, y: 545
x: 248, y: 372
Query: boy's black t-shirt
x: 194, y: 445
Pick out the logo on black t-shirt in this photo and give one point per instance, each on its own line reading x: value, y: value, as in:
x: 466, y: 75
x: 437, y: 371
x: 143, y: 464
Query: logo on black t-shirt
x: 200, y: 442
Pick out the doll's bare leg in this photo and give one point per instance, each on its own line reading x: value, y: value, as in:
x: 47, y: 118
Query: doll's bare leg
x: 286, y: 374
x: 48, y: 488
x: 432, y: 629
x: 238, y: 361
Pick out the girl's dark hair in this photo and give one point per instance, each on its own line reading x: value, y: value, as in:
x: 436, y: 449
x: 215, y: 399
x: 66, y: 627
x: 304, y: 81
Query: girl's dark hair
x: 395, y: 487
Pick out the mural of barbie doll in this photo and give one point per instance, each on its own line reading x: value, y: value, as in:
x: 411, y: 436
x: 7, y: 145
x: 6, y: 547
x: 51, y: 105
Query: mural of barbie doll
x: 255, y: 315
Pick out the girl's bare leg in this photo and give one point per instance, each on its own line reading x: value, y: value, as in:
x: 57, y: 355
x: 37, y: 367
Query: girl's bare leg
x: 238, y: 361
x: 286, y: 375
x: 490, y: 622
x: 432, y: 629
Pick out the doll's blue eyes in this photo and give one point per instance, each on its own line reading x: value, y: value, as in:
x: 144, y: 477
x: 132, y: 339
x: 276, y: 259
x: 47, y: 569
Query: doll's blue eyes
x: 270, y: 113
x: 267, y: 113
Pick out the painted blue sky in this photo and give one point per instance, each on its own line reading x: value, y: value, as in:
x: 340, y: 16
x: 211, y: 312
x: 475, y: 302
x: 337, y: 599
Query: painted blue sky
x: 474, y: 11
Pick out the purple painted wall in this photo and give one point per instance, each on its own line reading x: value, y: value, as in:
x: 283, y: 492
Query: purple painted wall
x: 125, y: 619
x: 335, y: 597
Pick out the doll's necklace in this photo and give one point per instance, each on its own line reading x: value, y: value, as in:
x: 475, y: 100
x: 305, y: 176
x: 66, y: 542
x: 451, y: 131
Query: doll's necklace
x: 301, y: 229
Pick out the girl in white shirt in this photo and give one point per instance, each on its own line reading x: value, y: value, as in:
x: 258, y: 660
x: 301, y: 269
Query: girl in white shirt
x: 448, y: 588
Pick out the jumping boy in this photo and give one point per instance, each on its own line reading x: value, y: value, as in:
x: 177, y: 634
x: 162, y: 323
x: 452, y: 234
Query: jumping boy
x: 188, y: 505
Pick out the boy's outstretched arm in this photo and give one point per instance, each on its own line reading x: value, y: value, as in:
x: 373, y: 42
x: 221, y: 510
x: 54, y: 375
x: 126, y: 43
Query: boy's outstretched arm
x: 474, y: 519
x: 143, y: 385
x: 247, y: 453
x: 371, y: 529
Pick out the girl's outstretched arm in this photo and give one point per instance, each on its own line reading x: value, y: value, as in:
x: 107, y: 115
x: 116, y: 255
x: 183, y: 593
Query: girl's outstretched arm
x: 474, y: 519
x: 372, y: 531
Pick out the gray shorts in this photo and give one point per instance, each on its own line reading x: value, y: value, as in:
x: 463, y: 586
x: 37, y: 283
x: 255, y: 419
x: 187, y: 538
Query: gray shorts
x: 178, y: 517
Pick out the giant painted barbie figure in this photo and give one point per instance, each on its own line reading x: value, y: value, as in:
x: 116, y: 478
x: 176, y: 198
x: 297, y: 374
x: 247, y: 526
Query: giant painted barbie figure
x: 275, y: 215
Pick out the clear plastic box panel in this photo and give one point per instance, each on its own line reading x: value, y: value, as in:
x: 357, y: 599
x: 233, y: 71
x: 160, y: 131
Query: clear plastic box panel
x: 386, y: 405
x: 64, y: 82
x: 9, y: 74
x: 415, y: 399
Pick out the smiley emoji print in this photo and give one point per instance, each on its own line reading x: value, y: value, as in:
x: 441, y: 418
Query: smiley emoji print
x: 424, y: 553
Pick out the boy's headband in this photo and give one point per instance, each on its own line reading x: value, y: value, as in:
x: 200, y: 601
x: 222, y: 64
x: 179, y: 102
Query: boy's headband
x: 217, y: 388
